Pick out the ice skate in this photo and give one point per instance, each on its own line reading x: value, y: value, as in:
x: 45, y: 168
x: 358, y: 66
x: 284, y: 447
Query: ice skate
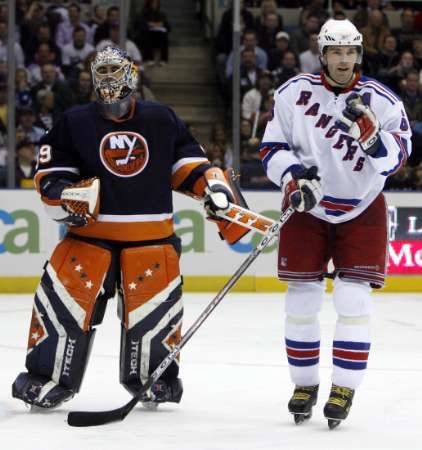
x: 162, y: 391
x: 302, y: 401
x: 338, y: 405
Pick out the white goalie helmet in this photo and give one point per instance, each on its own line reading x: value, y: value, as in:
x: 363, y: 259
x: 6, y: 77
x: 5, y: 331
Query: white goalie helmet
x: 115, y: 79
x: 339, y: 32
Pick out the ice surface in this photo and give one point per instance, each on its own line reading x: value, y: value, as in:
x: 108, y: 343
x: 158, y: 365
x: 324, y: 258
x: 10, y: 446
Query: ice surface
x: 236, y: 385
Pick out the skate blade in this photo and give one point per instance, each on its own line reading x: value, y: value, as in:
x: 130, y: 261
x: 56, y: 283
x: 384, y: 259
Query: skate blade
x: 300, y: 418
x: 150, y: 406
x: 333, y: 423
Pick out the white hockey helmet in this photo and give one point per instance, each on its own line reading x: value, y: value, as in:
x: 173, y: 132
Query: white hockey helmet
x: 339, y: 32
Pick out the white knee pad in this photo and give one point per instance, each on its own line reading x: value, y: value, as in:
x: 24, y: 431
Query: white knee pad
x: 304, y: 299
x: 352, y: 298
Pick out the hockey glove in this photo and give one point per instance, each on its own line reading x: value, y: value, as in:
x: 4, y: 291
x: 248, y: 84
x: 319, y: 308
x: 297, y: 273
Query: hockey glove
x: 218, y: 193
x: 359, y: 122
x: 301, y: 189
x: 82, y: 202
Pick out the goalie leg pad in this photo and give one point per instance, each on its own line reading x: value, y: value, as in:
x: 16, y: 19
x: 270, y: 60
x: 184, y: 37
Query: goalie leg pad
x: 152, y: 313
x: 61, y: 334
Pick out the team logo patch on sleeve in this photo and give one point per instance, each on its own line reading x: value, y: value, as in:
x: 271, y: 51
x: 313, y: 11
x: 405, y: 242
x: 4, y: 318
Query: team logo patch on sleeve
x: 124, y: 153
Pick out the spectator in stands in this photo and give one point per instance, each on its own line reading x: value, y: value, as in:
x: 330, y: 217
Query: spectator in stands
x: 412, y: 100
x: 3, y: 46
x: 153, y: 29
x: 82, y: 89
x: 215, y: 154
x: 309, y: 60
x: 63, y: 98
x: 42, y: 36
x: 281, y: 46
x: 374, y: 34
x: 286, y: 70
x: 299, y: 38
x: 43, y: 55
x: 26, y: 123
x: 3, y: 103
x: 75, y: 52
x: 407, y: 32
x: 267, y: 32
x: 248, y: 144
x: 64, y: 33
x: 98, y: 17
x: 25, y: 164
x: 253, y: 101
x: 399, y: 72
x: 113, y: 40
x: 250, y: 44
x: 403, y: 180
x: 339, y: 15
x: 417, y: 177
x: 47, y: 110
x: 249, y: 72
x: 23, y: 89
x: 361, y: 18
x: 219, y: 139
x: 268, y: 7
x: 388, y: 58
x: 103, y: 29
x: 34, y: 17
x: 314, y: 8
x: 224, y: 38
x: 417, y: 52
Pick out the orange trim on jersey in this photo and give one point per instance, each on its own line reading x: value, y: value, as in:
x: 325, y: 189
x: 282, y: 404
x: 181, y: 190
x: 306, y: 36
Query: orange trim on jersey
x: 81, y: 268
x: 146, y: 271
x: 127, y: 231
x: 344, y: 90
x: 183, y: 172
x: 37, y: 179
x: 51, y: 202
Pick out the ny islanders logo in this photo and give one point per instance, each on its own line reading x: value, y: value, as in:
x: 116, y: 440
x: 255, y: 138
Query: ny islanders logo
x: 124, y: 153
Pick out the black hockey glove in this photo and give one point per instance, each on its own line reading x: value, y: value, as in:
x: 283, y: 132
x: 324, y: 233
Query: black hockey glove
x: 359, y: 122
x: 301, y: 189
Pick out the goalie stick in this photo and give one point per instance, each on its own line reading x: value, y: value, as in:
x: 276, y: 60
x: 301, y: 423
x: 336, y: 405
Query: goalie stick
x: 95, y: 418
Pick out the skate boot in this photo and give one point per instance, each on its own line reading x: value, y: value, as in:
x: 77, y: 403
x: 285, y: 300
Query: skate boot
x: 39, y: 391
x: 162, y: 391
x: 302, y: 401
x: 338, y: 405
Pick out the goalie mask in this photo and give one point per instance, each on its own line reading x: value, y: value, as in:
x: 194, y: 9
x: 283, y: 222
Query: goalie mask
x: 115, y: 79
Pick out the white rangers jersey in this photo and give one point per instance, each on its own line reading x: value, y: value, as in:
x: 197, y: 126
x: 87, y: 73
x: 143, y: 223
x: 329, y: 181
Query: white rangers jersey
x: 303, y: 131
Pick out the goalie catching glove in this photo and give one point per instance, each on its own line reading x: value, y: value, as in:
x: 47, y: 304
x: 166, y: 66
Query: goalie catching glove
x: 82, y: 202
x: 301, y: 189
x: 359, y: 122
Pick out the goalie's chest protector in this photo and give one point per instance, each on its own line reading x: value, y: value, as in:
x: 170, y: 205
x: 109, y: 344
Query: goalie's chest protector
x: 135, y: 160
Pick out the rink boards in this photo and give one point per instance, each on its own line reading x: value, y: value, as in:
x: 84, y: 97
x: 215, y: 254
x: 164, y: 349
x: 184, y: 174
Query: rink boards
x: 27, y: 237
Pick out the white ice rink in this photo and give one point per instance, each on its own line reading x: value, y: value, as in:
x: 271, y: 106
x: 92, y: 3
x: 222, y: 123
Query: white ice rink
x: 236, y: 385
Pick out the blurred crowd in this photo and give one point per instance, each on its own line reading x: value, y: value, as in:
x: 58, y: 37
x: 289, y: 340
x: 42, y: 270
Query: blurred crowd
x: 272, y: 53
x: 55, y: 43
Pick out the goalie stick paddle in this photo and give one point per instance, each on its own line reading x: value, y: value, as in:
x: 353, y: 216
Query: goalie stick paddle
x: 95, y: 418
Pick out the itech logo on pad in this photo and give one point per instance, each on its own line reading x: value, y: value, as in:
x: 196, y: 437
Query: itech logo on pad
x: 124, y: 154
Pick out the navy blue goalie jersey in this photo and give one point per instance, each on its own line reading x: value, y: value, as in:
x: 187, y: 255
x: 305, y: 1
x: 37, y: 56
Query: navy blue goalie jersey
x: 138, y: 161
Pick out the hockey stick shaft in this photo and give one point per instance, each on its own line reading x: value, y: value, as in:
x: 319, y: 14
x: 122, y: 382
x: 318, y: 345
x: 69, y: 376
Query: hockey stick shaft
x: 95, y: 418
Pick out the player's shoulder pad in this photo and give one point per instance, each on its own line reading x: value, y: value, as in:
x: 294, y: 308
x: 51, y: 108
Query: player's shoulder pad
x: 299, y: 82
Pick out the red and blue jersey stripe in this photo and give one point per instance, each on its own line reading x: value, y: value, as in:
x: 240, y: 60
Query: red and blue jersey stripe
x: 338, y: 206
x: 268, y: 149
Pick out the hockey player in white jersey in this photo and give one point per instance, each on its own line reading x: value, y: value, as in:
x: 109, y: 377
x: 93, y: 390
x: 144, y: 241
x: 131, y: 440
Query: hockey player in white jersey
x: 333, y: 141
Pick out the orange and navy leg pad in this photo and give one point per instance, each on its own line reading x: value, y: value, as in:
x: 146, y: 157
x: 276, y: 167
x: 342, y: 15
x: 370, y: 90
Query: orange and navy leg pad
x: 152, y: 311
x: 61, y: 333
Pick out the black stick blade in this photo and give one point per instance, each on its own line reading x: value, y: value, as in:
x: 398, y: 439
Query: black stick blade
x: 94, y: 418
